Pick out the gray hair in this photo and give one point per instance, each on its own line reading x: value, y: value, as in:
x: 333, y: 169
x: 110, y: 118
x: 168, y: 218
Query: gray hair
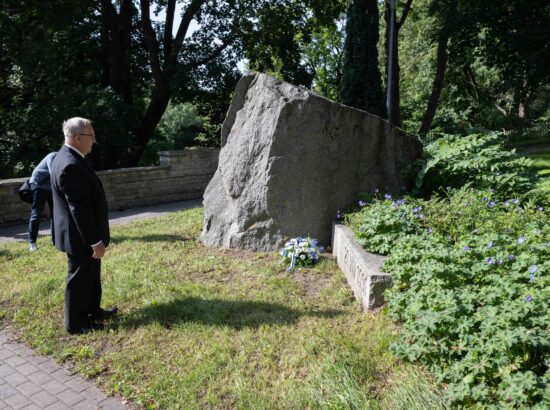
x: 75, y: 125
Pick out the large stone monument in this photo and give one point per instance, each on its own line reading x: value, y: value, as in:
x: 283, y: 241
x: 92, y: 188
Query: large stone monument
x: 290, y: 159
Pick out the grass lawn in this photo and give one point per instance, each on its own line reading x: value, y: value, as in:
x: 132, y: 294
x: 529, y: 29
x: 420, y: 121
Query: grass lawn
x: 209, y: 328
x: 542, y: 167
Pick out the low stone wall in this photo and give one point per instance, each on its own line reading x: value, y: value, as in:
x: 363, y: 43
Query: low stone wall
x: 361, y: 268
x: 181, y: 175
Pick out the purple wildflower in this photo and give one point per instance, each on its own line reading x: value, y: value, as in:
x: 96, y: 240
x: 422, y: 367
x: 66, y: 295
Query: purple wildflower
x: 387, y: 196
x: 521, y: 239
x: 491, y: 204
x: 490, y: 244
x: 516, y: 201
x: 484, y: 199
x: 511, y: 257
x: 500, y: 262
x: 533, y: 269
x: 402, y: 202
x: 339, y: 215
x: 466, y: 248
x: 540, y: 208
x: 490, y: 261
x: 396, y: 204
x: 507, y: 203
x: 362, y: 203
x: 429, y: 230
x: 421, y: 216
x: 529, y: 298
x: 532, y: 277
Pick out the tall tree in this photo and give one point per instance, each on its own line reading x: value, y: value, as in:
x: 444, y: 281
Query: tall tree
x: 361, y: 85
x: 450, y: 21
x: 396, y: 72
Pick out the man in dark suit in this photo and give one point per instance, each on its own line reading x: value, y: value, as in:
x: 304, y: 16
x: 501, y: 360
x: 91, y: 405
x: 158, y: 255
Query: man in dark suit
x: 81, y: 226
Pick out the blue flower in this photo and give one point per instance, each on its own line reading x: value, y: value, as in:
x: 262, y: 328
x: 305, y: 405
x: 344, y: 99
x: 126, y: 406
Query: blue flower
x: 489, y: 261
x: 529, y: 298
x: 540, y: 208
x: 429, y: 230
x: 466, y: 248
x: 500, y: 262
x: 421, y: 216
x: 515, y: 201
x: 532, y: 277
x: 511, y: 257
x: 338, y: 215
x: 321, y: 249
x: 387, y: 196
x: 362, y: 203
x: 533, y: 269
x: 521, y: 239
x: 507, y: 203
x: 396, y: 204
x: 491, y: 204
x: 484, y: 199
x: 490, y: 244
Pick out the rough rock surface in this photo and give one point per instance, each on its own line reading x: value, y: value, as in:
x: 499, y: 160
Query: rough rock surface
x: 290, y: 160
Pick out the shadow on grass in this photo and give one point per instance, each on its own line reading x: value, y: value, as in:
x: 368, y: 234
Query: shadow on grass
x: 150, y: 238
x: 217, y: 312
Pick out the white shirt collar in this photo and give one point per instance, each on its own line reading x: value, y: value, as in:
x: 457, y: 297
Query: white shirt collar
x: 77, y: 151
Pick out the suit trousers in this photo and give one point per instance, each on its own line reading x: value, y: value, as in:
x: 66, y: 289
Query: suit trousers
x: 82, y: 291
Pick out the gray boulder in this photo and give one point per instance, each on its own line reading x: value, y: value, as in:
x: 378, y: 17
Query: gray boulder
x: 290, y: 159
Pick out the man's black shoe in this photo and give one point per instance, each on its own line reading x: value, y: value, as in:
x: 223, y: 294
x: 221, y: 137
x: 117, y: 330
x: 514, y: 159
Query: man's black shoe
x: 103, y: 314
x: 88, y: 327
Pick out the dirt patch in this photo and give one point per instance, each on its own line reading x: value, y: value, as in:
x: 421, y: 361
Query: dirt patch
x: 310, y: 281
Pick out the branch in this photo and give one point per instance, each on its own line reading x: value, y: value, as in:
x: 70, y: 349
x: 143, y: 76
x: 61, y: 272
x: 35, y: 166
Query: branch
x: 228, y: 40
x: 404, y: 15
x: 190, y: 12
x: 151, y: 41
x: 168, y: 27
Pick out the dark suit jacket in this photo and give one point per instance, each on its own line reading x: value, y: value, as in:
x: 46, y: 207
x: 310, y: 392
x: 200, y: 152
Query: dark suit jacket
x: 79, y: 205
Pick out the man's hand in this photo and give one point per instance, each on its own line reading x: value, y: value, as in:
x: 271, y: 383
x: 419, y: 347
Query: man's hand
x: 99, y: 250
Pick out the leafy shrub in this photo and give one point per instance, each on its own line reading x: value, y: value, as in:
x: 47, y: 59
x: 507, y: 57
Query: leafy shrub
x: 471, y: 289
x: 180, y: 125
x: 479, y: 159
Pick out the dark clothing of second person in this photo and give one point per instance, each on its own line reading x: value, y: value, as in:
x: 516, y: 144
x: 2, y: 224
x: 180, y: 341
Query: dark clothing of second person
x: 42, y: 193
x: 81, y: 220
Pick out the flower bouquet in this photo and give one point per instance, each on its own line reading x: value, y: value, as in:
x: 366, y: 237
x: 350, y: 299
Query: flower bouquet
x: 300, y: 251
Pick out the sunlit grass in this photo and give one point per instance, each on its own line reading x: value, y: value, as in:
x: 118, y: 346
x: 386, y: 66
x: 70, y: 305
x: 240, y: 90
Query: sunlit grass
x: 209, y: 328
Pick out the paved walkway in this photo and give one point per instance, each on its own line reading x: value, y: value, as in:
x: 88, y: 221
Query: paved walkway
x: 20, y: 232
x: 29, y: 381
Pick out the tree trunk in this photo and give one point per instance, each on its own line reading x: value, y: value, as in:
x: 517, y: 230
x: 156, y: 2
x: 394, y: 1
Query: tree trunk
x: 160, y: 97
x: 395, y: 108
x: 441, y: 65
x: 118, y: 26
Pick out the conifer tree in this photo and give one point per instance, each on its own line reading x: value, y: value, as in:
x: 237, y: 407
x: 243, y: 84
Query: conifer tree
x: 361, y: 79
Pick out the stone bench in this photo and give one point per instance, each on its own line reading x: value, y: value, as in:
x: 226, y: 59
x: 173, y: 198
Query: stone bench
x: 361, y: 268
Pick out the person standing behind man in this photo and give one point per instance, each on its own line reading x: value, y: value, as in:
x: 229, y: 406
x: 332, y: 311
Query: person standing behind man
x: 81, y: 226
x: 41, y: 193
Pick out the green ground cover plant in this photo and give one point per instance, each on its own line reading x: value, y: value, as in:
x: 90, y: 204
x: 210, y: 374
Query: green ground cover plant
x: 207, y: 328
x: 471, y: 268
x: 480, y: 159
x: 472, y: 291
